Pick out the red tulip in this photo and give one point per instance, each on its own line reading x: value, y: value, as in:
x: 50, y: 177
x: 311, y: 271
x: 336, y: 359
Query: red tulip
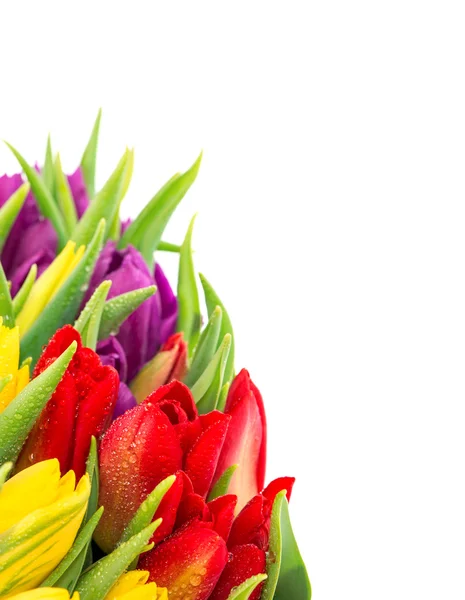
x: 161, y: 436
x: 189, y: 563
x: 170, y: 363
x: 244, y: 562
x: 81, y: 406
x: 245, y: 443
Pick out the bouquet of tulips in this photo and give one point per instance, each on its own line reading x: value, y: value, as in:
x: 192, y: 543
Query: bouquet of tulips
x: 132, y: 456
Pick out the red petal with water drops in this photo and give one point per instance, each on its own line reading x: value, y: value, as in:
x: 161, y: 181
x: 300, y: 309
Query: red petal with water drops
x: 244, y: 562
x: 222, y: 514
x: 277, y: 485
x: 189, y: 563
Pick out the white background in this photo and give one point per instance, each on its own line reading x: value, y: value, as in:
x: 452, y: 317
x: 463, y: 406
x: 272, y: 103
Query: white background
x: 331, y: 221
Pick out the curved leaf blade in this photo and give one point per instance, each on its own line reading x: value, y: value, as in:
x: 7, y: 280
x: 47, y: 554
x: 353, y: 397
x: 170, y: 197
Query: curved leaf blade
x: 23, y: 293
x: 206, y: 347
x: 10, y: 211
x: 118, y: 309
x: 89, y: 157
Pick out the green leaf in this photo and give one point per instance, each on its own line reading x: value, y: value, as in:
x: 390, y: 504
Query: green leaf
x: 88, y: 323
x: 212, y: 300
x: 92, y: 470
x: 223, y: 397
x: 115, y: 227
x: 44, y: 198
x: 207, y: 388
x: 287, y: 575
x: 189, y: 318
x: 206, y: 347
x: 64, y: 305
x: 167, y: 247
x: 18, y: 418
x: 4, y: 381
x: 104, y: 206
x: 118, y: 309
x: 10, y: 211
x: 95, y: 583
x: 23, y: 293
x: 146, y: 230
x: 68, y: 571
x: 89, y: 157
x: 222, y: 485
x: 48, y: 173
x: 245, y: 590
x: 65, y: 198
x: 6, y: 304
x: 5, y: 470
x: 146, y: 512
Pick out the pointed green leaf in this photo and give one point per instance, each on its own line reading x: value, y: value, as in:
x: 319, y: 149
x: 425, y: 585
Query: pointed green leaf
x: 245, y: 590
x: 64, y: 305
x: 68, y: 571
x: 92, y: 470
x: 206, y: 347
x: 65, y: 198
x: 118, y: 309
x: 222, y: 485
x: 18, y: 418
x: 167, y: 247
x: 5, y: 470
x: 48, y: 174
x: 88, y: 323
x: 212, y: 301
x: 189, y: 318
x: 207, y: 388
x: 115, y: 227
x: 223, y: 396
x: 44, y: 198
x: 10, y: 211
x: 23, y: 293
x: 146, y: 230
x: 104, y: 205
x: 89, y: 157
x: 146, y: 512
x: 95, y: 583
x: 6, y: 304
x: 287, y: 575
x: 4, y: 381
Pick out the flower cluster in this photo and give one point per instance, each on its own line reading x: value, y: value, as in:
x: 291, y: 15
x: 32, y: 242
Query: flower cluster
x: 132, y: 456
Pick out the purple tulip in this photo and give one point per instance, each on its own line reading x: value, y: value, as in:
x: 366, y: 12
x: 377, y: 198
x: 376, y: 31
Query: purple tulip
x: 146, y: 330
x: 32, y: 239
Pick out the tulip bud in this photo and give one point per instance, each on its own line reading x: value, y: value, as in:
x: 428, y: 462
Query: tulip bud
x: 40, y: 515
x: 170, y: 363
x: 189, y: 563
x: 247, y: 429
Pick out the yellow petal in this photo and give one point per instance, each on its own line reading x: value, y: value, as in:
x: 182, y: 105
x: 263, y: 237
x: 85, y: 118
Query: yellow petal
x: 46, y: 286
x: 133, y: 586
x: 9, y: 359
x: 31, y: 549
x: 35, y: 487
x: 45, y: 594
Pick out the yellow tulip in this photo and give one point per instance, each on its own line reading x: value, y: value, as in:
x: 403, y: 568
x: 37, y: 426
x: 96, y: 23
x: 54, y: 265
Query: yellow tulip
x: 9, y: 360
x: 133, y: 586
x: 48, y: 285
x: 45, y: 594
x: 40, y: 515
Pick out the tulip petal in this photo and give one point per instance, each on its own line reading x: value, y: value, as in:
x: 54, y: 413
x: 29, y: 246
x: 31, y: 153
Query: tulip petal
x: 10, y: 210
x: 222, y: 514
x: 17, y: 420
x: 64, y: 305
x: 189, y: 563
x: 201, y: 460
x: 89, y: 157
x: 145, y: 232
x: 95, y: 583
x: 212, y: 300
x: 167, y: 511
x: 242, y: 575
x: 68, y: 571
